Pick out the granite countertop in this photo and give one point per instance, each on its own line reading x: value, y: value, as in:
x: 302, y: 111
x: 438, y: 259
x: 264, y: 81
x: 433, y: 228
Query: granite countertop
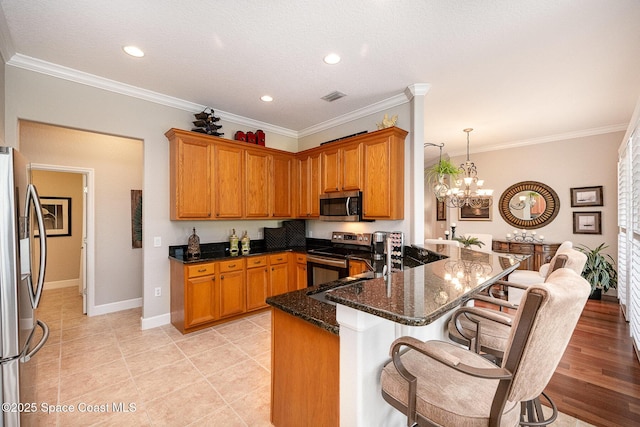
x: 416, y: 295
x: 220, y: 251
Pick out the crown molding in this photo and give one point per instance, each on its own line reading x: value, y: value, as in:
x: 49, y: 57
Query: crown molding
x: 70, y: 74
x: 417, y: 89
x: 545, y: 139
x: 385, y: 104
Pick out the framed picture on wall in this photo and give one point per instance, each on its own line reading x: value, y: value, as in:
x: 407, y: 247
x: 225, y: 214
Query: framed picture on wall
x: 587, y: 223
x: 468, y: 213
x: 57, y: 216
x: 586, y: 196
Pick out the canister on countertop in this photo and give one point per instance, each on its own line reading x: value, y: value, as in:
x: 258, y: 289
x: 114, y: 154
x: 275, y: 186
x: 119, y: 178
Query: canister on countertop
x: 245, y: 242
x: 193, y: 246
x: 233, y: 244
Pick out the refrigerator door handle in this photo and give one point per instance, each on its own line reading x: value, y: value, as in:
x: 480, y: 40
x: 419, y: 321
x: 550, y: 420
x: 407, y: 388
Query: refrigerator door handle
x: 43, y: 340
x: 32, y: 197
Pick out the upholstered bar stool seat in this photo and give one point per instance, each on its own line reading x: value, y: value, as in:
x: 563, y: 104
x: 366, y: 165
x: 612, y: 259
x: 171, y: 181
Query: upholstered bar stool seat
x: 439, y: 383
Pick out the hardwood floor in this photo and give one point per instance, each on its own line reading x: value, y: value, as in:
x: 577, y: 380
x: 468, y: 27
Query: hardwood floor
x: 598, y: 379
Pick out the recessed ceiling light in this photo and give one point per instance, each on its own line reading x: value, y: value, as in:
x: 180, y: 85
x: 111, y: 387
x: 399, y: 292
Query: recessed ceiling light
x: 332, y: 59
x: 133, y: 51
x: 266, y: 98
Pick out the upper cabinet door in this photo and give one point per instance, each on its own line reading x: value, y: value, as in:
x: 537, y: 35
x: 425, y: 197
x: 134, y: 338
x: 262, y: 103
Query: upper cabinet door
x: 190, y: 179
x: 227, y: 182
x: 331, y: 171
x: 351, y: 167
x: 257, y: 184
x: 383, y: 192
x: 281, y: 186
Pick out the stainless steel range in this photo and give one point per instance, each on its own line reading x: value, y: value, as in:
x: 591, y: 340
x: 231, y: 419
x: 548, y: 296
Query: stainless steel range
x: 332, y: 262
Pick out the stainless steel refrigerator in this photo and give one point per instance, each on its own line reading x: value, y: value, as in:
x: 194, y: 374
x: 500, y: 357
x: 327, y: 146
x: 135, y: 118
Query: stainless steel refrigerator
x: 23, y: 254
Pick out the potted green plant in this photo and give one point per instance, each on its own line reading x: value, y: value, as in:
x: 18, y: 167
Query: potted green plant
x: 599, y: 270
x: 437, y: 171
x: 467, y: 241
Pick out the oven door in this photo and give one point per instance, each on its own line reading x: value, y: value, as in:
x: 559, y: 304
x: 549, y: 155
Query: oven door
x: 323, y: 269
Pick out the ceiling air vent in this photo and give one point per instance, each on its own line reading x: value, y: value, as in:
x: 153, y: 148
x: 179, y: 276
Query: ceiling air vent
x: 333, y: 96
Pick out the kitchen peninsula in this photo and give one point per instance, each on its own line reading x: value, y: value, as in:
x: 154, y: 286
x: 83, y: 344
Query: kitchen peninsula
x: 326, y: 359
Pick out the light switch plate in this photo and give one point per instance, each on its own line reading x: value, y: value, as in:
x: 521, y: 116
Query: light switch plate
x: 157, y: 241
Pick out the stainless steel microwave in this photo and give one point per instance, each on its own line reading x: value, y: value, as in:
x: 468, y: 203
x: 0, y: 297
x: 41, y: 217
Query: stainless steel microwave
x: 343, y: 206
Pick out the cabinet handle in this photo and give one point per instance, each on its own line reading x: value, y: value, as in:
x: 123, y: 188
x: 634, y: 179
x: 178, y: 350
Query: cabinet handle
x: 202, y: 270
x: 279, y: 259
x: 221, y: 277
x: 232, y: 265
x: 256, y: 262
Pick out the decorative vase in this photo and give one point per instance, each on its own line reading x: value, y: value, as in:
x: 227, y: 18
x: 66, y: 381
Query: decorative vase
x: 596, y: 294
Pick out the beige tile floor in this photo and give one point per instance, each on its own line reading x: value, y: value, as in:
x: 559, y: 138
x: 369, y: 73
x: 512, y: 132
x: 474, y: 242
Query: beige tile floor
x: 219, y: 376
x: 216, y: 377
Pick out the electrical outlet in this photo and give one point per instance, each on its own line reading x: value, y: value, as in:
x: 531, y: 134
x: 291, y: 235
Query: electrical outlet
x: 158, y: 292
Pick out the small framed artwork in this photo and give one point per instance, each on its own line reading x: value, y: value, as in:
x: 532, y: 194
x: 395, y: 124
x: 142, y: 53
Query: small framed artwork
x: 587, y: 223
x: 57, y: 216
x: 441, y: 211
x: 586, y: 196
x: 468, y: 213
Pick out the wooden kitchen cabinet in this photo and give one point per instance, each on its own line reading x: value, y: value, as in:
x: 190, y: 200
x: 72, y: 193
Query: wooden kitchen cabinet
x: 305, y: 375
x: 257, y: 183
x: 190, y: 177
x: 383, y: 164
x: 207, y: 293
x: 282, y: 186
x: 214, y: 178
x: 279, y: 273
x: 200, y: 301
x: 257, y: 274
x: 357, y: 267
x: 227, y: 183
x: 342, y: 168
x: 300, y: 266
x: 232, y: 297
x: 309, y: 190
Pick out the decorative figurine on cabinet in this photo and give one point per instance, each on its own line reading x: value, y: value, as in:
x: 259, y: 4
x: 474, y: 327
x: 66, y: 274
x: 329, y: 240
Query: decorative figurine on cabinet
x: 206, y: 123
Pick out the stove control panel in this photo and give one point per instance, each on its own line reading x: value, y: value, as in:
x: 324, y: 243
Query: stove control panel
x: 348, y: 238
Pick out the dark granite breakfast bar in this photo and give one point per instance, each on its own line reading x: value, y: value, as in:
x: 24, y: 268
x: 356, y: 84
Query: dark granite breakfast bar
x: 416, y: 296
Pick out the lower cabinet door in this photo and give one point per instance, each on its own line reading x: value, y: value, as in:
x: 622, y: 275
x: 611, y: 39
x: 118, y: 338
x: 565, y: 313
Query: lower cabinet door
x: 232, y: 293
x: 257, y: 287
x: 200, y: 301
x: 279, y: 279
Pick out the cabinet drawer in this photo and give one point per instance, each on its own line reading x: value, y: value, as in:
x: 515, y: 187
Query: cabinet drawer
x: 256, y: 261
x: 280, y: 258
x: 233, y: 265
x: 498, y: 246
x: 201, y: 270
x: 301, y: 258
x: 521, y: 248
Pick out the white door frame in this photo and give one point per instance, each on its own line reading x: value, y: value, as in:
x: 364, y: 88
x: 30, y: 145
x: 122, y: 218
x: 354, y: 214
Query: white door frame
x: 88, y: 219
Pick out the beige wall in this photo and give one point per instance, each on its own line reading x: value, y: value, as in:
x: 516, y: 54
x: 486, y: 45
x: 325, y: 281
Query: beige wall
x: 63, y: 252
x: 117, y: 166
x: 578, y: 162
x: 42, y: 98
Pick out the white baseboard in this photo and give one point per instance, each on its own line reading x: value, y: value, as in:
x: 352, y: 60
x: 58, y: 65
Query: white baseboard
x: 115, y: 306
x: 155, y: 321
x: 61, y: 284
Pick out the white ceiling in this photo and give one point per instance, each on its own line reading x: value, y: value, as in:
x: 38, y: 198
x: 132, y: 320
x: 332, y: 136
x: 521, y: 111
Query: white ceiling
x: 517, y: 71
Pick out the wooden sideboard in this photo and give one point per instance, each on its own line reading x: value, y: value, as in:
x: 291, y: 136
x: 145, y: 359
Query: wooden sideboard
x: 541, y: 253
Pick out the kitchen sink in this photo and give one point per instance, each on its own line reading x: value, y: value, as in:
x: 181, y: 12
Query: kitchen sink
x: 321, y: 294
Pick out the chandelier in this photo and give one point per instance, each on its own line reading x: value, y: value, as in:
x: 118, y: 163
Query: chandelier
x: 468, y: 189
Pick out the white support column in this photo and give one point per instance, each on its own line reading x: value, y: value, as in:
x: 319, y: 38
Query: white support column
x: 365, y: 341
x: 416, y: 94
